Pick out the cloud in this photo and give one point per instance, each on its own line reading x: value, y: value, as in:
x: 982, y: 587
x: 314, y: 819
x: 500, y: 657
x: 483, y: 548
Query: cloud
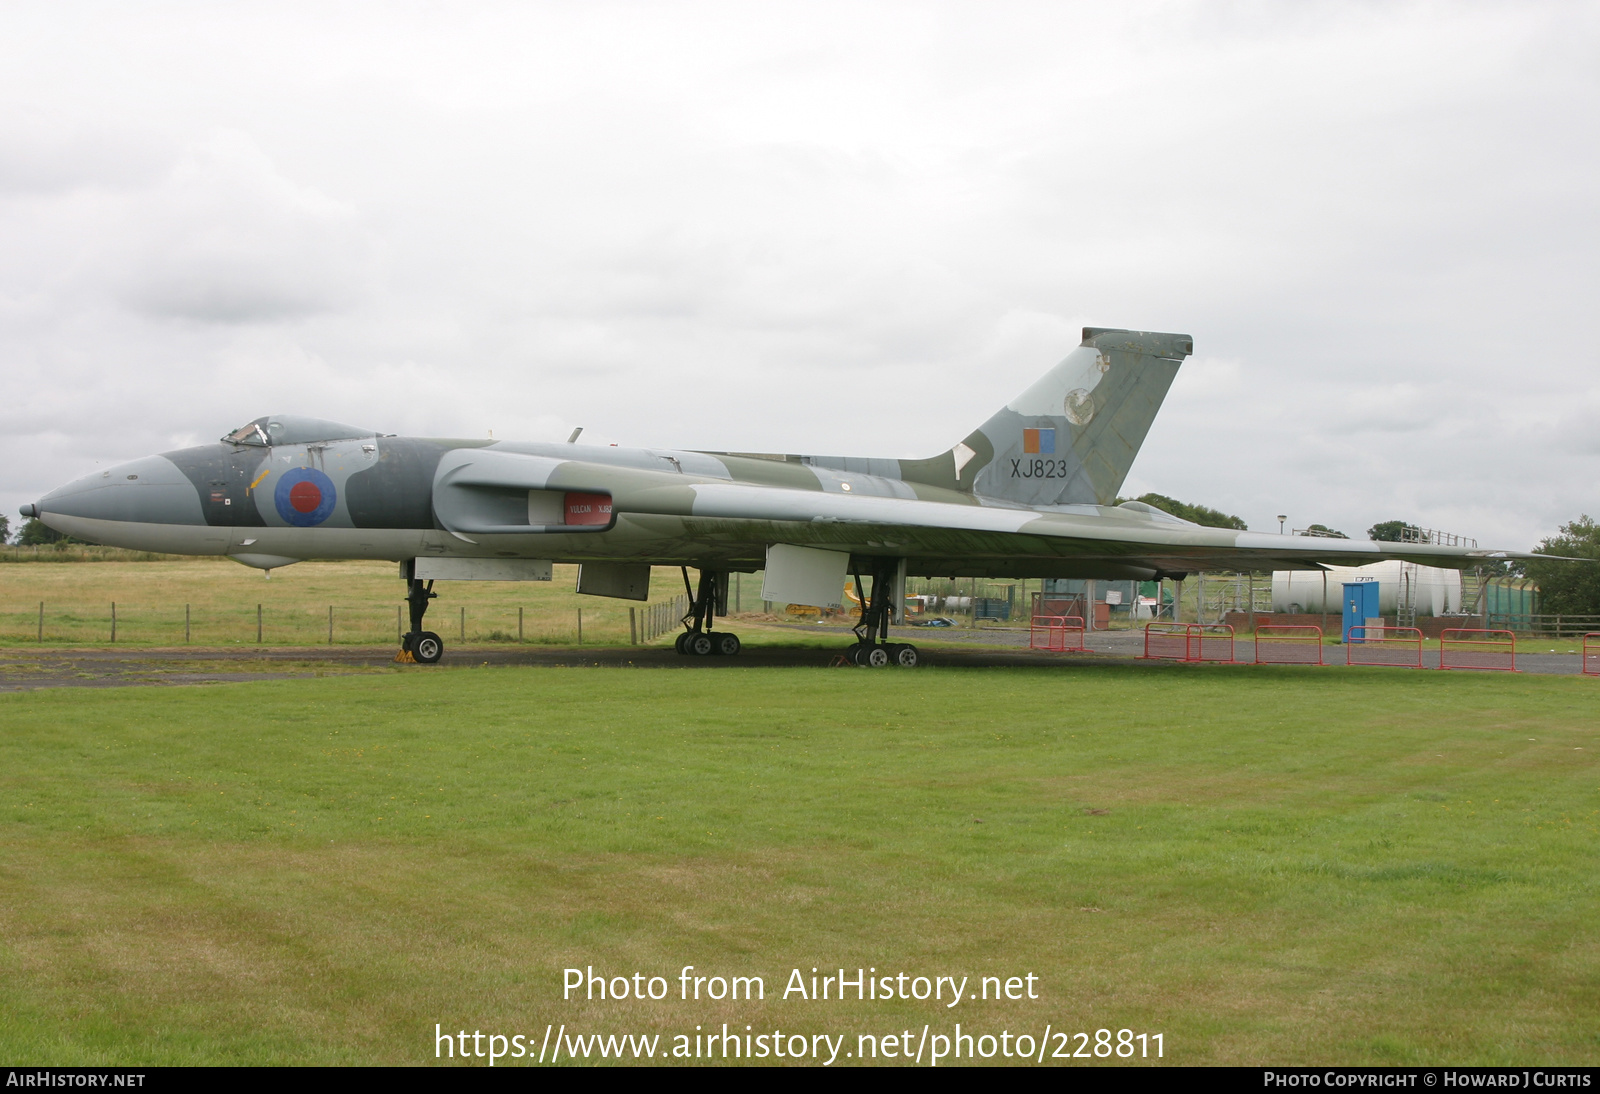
x: 821, y: 228
x: 44, y: 152
x: 226, y: 238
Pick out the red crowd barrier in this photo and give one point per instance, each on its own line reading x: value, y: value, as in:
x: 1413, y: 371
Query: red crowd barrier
x: 1400, y: 647
x: 1475, y: 648
x: 1166, y: 640
x: 1288, y: 645
x: 1059, y: 633
x: 1591, y: 654
x: 1188, y: 641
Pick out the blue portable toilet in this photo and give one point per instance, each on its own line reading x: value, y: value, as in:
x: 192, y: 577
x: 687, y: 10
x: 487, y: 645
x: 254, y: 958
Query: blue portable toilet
x: 1360, y: 604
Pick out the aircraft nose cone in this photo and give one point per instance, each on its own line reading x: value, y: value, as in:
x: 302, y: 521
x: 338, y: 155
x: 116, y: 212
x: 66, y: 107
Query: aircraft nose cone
x: 147, y: 491
x: 30, y: 510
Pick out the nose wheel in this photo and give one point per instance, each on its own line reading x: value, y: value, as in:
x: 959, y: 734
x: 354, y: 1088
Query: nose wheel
x: 417, y: 646
x: 426, y: 648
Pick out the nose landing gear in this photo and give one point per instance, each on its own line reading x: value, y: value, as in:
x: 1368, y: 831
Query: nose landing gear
x: 417, y: 646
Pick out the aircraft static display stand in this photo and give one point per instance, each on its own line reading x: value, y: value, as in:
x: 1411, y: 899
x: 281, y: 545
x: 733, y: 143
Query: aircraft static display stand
x: 1030, y: 493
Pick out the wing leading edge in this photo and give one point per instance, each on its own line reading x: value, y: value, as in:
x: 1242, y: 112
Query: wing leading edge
x: 942, y: 538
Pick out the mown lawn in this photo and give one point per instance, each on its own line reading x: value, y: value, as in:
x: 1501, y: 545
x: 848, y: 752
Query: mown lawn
x: 222, y: 599
x: 1285, y: 866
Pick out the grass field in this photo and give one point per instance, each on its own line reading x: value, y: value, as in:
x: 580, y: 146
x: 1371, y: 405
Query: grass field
x: 1263, y: 866
x: 222, y: 598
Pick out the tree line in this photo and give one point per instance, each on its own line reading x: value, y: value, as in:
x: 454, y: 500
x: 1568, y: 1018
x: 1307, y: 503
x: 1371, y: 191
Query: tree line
x: 33, y: 533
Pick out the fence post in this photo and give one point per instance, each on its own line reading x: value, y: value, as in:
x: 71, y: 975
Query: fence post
x: 519, y: 624
x: 186, y: 624
x: 580, y: 626
x: 41, y: 621
x: 258, y: 624
x: 463, y: 622
x: 399, y: 628
x: 633, y: 629
x: 330, y: 624
x: 113, y: 621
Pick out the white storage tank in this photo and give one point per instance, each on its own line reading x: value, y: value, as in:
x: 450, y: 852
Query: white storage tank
x: 1432, y: 590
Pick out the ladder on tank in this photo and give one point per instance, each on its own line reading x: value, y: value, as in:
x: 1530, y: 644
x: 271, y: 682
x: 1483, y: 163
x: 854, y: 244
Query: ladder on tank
x: 1472, y: 590
x: 1405, y: 605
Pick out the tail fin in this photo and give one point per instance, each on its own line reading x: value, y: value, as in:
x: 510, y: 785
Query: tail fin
x: 1071, y: 437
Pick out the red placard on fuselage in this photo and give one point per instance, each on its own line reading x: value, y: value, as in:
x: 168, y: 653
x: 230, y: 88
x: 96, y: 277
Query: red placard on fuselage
x: 588, y: 508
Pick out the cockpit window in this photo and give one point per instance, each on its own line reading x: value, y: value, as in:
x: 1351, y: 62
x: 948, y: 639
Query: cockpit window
x: 293, y: 429
x: 251, y: 433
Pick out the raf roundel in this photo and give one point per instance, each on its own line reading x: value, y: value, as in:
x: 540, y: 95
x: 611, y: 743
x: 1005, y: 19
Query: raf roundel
x: 305, y: 497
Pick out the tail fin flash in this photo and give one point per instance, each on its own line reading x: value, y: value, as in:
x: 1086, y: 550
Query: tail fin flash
x: 1071, y: 437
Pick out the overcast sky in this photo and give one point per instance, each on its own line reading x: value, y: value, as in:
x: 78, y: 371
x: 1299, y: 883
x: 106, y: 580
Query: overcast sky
x: 849, y: 229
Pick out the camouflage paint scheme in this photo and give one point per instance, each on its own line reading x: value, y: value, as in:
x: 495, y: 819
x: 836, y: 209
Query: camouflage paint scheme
x: 1030, y: 493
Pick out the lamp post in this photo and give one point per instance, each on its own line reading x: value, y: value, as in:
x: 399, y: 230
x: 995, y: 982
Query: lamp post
x: 1281, y: 518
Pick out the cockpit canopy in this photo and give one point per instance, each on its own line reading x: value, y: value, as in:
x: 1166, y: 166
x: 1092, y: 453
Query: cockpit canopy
x: 293, y: 429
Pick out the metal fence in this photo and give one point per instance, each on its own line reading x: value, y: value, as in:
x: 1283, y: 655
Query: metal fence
x: 1398, y: 647
x: 1474, y: 648
x: 1057, y: 633
x: 298, y: 624
x: 1188, y: 641
x: 1543, y: 623
x: 1287, y: 644
x: 184, y: 624
x: 654, y: 620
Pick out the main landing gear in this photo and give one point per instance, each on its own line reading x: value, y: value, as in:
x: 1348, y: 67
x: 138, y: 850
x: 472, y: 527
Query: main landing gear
x: 418, y: 646
x: 705, y: 604
x: 872, y: 648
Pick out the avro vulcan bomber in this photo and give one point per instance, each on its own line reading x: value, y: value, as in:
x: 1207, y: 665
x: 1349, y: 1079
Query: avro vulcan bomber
x: 1029, y: 493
